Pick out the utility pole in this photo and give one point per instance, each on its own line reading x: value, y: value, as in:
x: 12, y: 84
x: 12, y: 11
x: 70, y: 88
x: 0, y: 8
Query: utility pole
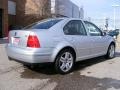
x: 81, y: 13
x: 115, y: 6
x: 107, y: 23
x: 72, y: 11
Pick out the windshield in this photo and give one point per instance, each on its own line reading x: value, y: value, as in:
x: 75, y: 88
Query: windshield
x: 43, y: 24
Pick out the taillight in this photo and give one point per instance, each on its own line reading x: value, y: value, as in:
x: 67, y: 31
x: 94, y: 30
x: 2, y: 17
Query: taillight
x: 33, y: 41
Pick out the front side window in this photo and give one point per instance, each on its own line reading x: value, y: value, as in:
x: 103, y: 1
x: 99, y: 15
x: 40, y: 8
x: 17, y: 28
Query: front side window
x: 92, y: 29
x: 44, y: 24
x: 74, y: 27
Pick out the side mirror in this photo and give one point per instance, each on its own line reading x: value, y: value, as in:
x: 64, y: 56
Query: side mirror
x: 104, y: 33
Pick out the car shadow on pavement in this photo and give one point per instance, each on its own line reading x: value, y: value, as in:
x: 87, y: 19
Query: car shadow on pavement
x: 3, y: 41
x: 49, y: 68
x: 50, y: 71
x: 74, y: 80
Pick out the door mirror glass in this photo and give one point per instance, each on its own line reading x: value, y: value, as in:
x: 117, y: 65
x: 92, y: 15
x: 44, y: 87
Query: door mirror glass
x: 104, y: 33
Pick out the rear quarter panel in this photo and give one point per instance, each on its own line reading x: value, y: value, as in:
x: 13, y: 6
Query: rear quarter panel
x: 59, y: 47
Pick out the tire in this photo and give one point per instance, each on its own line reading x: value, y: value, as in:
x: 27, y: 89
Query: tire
x: 65, y: 61
x: 111, y: 52
x: 9, y: 58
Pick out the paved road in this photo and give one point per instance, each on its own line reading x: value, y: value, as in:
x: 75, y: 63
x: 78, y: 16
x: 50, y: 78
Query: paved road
x: 93, y: 74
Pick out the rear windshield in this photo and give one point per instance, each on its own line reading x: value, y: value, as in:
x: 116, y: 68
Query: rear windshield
x: 46, y: 24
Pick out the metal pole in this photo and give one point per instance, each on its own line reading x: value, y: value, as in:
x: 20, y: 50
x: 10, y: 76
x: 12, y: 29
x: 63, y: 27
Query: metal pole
x: 114, y: 18
x: 115, y: 6
x: 72, y: 11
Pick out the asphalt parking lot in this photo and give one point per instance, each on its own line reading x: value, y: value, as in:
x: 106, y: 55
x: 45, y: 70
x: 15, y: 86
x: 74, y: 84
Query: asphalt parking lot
x: 92, y: 74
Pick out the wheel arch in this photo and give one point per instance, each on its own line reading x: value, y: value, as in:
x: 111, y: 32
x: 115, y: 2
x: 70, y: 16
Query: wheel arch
x: 107, y: 54
x: 70, y: 48
x: 113, y: 43
x: 58, y: 50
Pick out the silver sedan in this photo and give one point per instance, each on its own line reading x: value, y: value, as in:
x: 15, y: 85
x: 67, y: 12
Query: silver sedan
x: 62, y: 41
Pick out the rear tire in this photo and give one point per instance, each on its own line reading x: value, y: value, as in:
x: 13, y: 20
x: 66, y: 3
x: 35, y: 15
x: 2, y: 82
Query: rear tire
x: 9, y: 58
x: 111, y: 52
x: 64, y: 62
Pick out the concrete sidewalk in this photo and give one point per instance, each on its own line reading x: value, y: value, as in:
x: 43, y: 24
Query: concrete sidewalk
x: 3, y: 40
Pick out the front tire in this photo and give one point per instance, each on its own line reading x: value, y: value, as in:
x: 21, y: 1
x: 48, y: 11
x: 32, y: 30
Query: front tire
x: 64, y: 62
x: 111, y: 52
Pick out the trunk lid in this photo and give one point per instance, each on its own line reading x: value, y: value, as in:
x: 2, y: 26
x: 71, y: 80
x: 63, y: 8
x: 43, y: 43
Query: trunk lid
x: 18, y: 38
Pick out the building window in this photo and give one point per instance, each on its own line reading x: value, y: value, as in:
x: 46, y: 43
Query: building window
x: 11, y: 8
x: 53, y: 6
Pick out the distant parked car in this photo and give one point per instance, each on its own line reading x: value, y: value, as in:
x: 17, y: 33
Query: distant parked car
x: 61, y: 41
x: 114, y: 33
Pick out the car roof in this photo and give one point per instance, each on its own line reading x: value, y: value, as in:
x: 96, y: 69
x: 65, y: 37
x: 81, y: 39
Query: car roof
x: 66, y: 18
x: 78, y: 19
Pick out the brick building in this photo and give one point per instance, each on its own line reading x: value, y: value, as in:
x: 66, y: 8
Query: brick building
x: 3, y: 18
x: 29, y: 11
x: 24, y: 12
x: 21, y: 13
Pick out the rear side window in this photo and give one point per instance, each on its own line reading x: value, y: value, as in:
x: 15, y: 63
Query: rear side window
x: 74, y: 27
x: 43, y: 25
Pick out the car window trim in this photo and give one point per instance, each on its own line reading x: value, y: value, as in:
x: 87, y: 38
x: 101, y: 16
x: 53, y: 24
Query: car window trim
x: 78, y: 34
x: 94, y: 26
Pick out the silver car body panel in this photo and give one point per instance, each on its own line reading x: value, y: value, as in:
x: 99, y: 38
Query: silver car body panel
x: 52, y: 41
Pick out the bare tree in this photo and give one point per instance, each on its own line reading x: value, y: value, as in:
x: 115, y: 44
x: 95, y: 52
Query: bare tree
x: 43, y: 7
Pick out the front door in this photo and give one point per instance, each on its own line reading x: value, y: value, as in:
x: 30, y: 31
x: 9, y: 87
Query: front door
x: 0, y: 23
x: 99, y: 42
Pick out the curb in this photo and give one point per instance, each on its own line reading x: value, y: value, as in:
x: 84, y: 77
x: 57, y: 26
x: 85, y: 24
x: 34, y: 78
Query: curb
x: 4, y: 38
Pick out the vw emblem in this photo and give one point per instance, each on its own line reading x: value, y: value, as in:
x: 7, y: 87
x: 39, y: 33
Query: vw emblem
x: 15, y: 34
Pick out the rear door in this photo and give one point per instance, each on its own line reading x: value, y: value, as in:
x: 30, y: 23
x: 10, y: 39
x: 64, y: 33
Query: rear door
x: 0, y: 23
x: 99, y: 42
x: 76, y: 34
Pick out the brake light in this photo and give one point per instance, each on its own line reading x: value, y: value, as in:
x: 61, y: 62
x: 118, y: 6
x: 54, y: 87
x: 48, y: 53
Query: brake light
x: 33, y: 41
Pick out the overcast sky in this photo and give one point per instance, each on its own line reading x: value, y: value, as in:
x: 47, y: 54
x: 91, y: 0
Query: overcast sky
x: 98, y: 9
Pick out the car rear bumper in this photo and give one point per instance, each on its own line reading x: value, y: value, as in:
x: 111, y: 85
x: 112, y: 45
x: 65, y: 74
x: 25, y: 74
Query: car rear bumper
x: 30, y: 56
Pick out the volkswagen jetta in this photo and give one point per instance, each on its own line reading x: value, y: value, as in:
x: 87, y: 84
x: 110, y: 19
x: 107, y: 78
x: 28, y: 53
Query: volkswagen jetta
x: 62, y: 41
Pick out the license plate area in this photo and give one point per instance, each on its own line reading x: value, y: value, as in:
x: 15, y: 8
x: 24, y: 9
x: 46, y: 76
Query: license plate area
x: 15, y: 40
